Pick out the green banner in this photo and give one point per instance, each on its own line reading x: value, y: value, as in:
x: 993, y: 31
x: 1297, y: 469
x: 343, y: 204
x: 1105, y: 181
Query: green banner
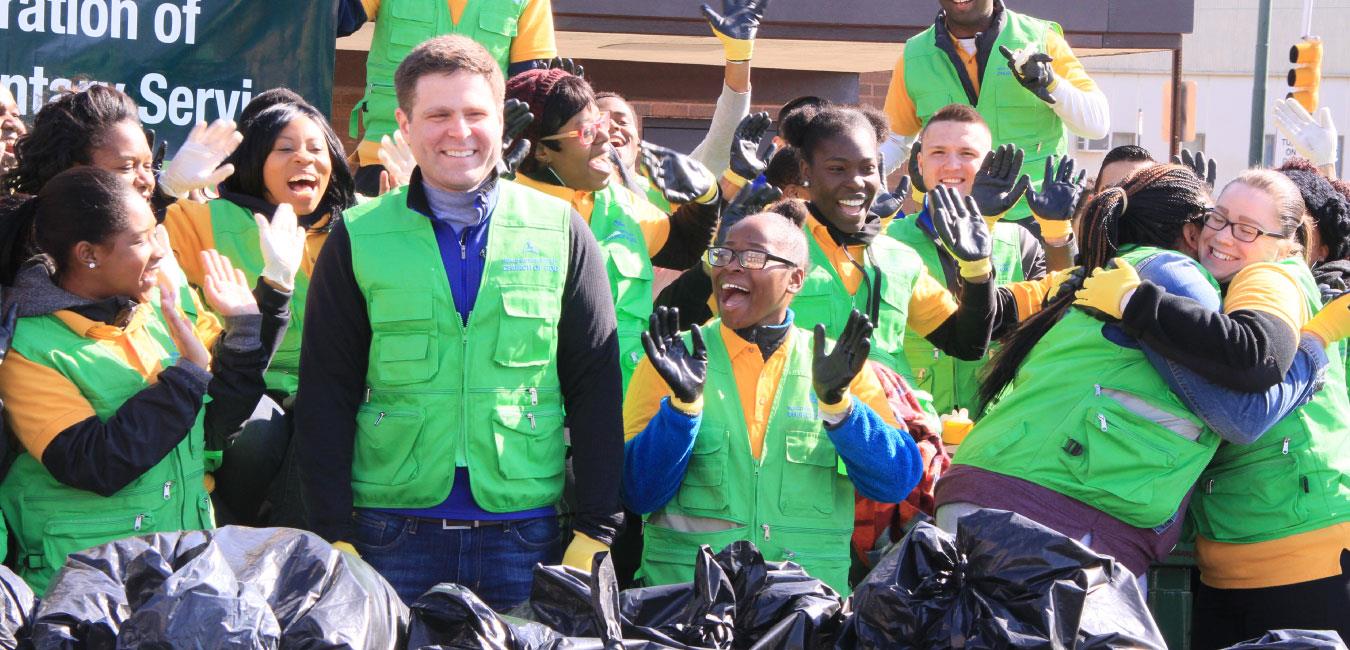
x: 183, y: 61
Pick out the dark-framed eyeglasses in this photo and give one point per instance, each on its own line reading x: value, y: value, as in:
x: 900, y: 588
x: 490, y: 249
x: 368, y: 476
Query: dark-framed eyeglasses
x: 750, y: 260
x: 1215, y: 220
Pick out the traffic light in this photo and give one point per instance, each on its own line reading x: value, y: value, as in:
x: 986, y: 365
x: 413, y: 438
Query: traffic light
x: 1306, y: 76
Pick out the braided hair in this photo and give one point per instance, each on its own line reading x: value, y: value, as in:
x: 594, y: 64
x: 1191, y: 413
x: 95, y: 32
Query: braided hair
x: 1149, y: 208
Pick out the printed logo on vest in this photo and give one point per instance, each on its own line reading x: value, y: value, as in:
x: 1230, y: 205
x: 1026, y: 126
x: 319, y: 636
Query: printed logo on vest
x: 801, y: 412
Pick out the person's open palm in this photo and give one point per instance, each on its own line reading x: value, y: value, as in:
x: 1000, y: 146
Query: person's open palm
x: 833, y: 371
x: 685, y: 371
x: 226, y: 287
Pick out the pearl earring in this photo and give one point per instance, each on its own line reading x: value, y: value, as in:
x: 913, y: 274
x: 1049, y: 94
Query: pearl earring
x: 92, y: 265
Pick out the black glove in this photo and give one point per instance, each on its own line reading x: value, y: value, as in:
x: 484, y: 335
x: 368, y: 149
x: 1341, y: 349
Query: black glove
x: 750, y: 199
x: 1333, y: 279
x: 832, y: 373
x: 888, y: 203
x: 1202, y: 167
x: 962, y: 230
x: 680, y: 178
x: 997, y: 185
x: 684, y: 372
x: 1058, y: 199
x: 737, y: 25
x: 915, y: 176
x: 516, y: 116
x: 566, y: 65
x: 156, y: 163
x: 745, y: 161
x: 1036, y: 74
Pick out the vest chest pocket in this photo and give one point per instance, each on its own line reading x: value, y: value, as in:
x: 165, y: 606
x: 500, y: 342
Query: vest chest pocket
x: 409, y: 24
x: 1227, y: 500
x: 496, y: 30
x: 702, y: 488
x: 529, y: 443
x: 525, y: 329
x: 402, y: 348
x: 385, y: 452
x: 808, y: 474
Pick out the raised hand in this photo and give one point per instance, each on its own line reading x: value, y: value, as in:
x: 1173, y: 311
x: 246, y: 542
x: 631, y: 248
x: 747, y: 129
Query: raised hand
x: 916, y: 176
x: 226, y: 288
x: 963, y: 232
x: 184, y: 336
x: 516, y: 116
x: 1198, y: 164
x: 887, y: 203
x: 745, y: 160
x: 831, y: 373
x: 566, y: 65
x: 1314, y: 139
x: 1058, y: 199
x: 397, y: 158
x: 684, y: 371
x: 160, y: 147
x: 997, y: 186
x: 197, y: 165
x: 680, y: 178
x: 282, y: 241
x: 750, y: 199
x: 1032, y: 69
x: 737, y: 26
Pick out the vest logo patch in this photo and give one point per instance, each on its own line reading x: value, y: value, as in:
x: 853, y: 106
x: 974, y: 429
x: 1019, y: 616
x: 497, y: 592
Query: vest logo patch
x: 801, y: 412
x: 530, y: 264
x: 531, y: 249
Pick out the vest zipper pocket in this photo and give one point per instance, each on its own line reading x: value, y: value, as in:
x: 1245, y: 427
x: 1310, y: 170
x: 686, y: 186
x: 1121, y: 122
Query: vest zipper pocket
x: 168, y: 490
x: 766, y: 531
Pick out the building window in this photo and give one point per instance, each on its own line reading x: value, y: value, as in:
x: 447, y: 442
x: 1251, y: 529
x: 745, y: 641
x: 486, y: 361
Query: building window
x: 1121, y: 138
x: 1099, y: 145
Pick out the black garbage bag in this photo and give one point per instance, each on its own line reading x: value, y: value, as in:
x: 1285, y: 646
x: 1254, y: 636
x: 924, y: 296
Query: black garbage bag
x: 1004, y: 582
x: 1294, y: 640
x: 736, y: 600
x: 232, y: 587
x: 16, y: 612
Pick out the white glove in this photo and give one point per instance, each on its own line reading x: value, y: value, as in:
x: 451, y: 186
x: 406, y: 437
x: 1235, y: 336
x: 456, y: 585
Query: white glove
x: 1314, y: 139
x: 197, y: 163
x: 282, y: 242
x: 397, y: 158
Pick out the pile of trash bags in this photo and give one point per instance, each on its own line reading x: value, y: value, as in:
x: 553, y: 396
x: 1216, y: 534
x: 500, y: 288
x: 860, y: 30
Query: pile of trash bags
x: 1002, y: 581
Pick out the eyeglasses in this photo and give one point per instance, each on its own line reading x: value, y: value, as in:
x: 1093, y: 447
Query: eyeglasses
x: 1214, y: 220
x: 587, y: 134
x: 750, y: 260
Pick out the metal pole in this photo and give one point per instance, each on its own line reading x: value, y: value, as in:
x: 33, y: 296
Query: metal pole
x: 1256, y: 145
x: 1174, y: 141
x: 1307, y: 18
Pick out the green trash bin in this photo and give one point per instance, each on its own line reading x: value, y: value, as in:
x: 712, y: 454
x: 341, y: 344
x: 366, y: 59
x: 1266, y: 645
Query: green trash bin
x: 1170, y: 598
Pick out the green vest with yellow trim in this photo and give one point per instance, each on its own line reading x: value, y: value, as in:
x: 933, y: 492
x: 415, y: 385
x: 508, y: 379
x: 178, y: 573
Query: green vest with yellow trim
x: 1014, y: 114
x: 403, y: 25
x: 236, y: 237
x: 793, y: 502
x: 440, y: 393
x: 628, y: 266
x: 657, y: 197
x: 1296, y: 477
x: 953, y: 383
x: 50, y: 519
x: 824, y: 298
x: 1093, y: 420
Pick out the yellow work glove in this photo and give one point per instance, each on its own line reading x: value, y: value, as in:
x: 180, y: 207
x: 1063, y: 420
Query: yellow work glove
x: 1332, y: 323
x: 581, y: 552
x: 1108, y: 290
x: 346, y: 548
x: 736, y: 26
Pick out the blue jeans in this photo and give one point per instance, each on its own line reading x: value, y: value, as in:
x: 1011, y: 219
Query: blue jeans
x: 496, y: 562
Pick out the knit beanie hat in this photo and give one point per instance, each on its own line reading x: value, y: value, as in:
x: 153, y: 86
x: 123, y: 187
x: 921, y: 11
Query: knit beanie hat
x: 534, y: 87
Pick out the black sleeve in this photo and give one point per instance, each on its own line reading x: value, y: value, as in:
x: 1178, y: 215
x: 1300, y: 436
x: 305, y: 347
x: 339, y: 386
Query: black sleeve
x: 351, y: 15
x: 275, y: 306
x: 333, y: 360
x: 965, y: 334
x: 1033, y: 257
x: 1247, y: 350
x: 521, y: 66
x: 691, y: 232
x: 1006, y: 309
x: 237, y: 365
x: 104, y: 457
x: 689, y: 293
x: 592, y: 387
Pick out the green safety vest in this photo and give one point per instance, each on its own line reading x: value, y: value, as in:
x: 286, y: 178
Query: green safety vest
x: 953, y: 383
x: 236, y: 237
x: 1296, y: 477
x: 1014, y: 114
x: 1085, y: 419
x: 52, y: 520
x: 628, y: 267
x: 657, y: 197
x: 793, y: 503
x: 442, y: 394
x: 824, y: 298
x: 405, y: 24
